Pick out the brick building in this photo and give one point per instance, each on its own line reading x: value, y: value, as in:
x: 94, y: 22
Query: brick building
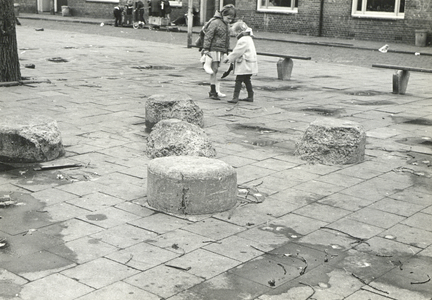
x: 382, y: 20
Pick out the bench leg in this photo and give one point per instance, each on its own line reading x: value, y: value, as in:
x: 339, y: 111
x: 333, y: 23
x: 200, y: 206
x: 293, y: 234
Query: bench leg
x: 400, y: 81
x: 284, y: 68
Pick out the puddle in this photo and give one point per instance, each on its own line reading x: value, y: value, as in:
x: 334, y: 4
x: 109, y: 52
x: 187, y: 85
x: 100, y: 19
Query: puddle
x: 412, y: 121
x: 424, y: 141
x: 151, y: 67
x: 374, y: 103
x: 324, y: 111
x: 28, y: 247
x: 57, y: 59
x: 97, y: 217
x: 256, y: 127
x: 290, y: 233
x: 279, y: 88
x: 365, y: 93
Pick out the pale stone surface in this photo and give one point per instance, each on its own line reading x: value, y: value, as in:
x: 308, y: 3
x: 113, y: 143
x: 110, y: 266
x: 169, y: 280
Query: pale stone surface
x: 174, y: 137
x: 172, y: 106
x: 28, y: 138
x: 333, y: 141
x: 284, y: 68
x: 191, y: 185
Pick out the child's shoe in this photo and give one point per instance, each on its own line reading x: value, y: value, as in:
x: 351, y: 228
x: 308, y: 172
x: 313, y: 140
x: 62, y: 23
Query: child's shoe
x: 214, y: 96
x: 247, y: 99
x: 233, y: 100
x: 220, y: 95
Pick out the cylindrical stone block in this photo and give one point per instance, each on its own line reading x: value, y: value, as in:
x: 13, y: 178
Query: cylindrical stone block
x: 29, y: 138
x: 333, y: 141
x: 191, y: 185
x: 172, y: 106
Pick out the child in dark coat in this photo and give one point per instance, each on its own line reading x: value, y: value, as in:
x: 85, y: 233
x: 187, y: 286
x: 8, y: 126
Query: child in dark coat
x: 118, y: 12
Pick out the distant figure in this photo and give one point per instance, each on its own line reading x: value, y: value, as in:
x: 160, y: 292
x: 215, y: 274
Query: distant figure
x: 129, y: 13
x: 118, y: 12
x: 140, y: 11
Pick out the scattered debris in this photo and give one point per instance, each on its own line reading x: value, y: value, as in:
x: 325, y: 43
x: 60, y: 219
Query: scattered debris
x: 310, y: 287
x: 130, y: 258
x: 39, y: 29
x: 408, y: 170
x: 57, y: 59
x: 53, y: 167
x: 365, y: 283
x: 272, y: 282
x: 384, y: 48
x: 6, y: 201
x: 282, y: 266
x: 178, y: 268
x: 422, y: 282
x: 29, y: 66
x: 358, y: 240
x: 297, y: 256
x: 29, y: 232
x: 3, y: 243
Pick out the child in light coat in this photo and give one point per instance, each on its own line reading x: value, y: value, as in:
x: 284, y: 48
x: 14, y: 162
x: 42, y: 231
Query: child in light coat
x: 245, y: 61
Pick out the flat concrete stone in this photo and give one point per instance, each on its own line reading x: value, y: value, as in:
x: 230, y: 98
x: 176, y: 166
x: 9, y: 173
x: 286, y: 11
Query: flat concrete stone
x: 333, y: 142
x: 173, y: 137
x: 28, y: 138
x: 172, y: 106
x: 191, y: 185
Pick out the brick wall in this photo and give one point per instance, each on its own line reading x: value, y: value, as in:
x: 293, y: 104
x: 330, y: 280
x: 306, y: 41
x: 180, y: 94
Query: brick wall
x: 338, y: 22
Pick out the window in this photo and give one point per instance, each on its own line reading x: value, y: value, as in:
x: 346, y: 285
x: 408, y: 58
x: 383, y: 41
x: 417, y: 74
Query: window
x: 392, y: 9
x: 287, y: 6
x: 176, y: 3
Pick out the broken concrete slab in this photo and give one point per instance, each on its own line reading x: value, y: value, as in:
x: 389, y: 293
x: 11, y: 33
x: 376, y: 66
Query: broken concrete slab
x: 191, y: 185
x: 173, y: 137
x: 332, y: 141
x: 172, y: 106
x: 28, y: 138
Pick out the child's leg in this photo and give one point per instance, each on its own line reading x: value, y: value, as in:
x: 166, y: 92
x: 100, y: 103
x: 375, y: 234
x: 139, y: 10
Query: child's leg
x: 237, y: 88
x: 248, y: 83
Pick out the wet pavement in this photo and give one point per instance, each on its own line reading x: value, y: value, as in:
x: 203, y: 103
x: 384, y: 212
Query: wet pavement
x: 321, y: 232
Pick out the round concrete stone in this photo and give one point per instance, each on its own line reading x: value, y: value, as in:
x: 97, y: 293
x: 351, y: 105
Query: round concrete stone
x: 332, y: 141
x: 172, y: 106
x: 191, y: 185
x: 28, y: 138
x: 175, y: 137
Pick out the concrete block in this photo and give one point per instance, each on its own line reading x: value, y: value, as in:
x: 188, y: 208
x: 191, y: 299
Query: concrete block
x: 172, y: 106
x: 173, y: 137
x: 191, y: 185
x: 332, y: 141
x: 28, y: 138
x: 284, y: 68
x: 400, y: 81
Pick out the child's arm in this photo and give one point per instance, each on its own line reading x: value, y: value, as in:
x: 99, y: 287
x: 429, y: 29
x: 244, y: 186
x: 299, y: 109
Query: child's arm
x: 237, y: 52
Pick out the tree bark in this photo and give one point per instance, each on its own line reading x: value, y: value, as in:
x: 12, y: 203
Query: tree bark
x: 9, y: 61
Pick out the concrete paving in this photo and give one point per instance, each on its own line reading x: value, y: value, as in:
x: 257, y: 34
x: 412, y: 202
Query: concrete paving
x: 351, y: 232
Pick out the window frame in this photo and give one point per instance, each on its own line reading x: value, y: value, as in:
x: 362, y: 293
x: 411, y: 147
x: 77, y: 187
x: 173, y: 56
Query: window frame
x: 364, y: 13
x: 277, y: 9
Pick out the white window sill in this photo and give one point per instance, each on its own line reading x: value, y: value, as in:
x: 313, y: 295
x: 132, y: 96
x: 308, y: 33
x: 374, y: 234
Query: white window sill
x: 369, y: 15
x: 276, y: 10
x: 175, y: 4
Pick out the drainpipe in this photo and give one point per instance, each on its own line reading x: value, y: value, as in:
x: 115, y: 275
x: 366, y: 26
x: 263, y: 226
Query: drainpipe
x: 321, y: 16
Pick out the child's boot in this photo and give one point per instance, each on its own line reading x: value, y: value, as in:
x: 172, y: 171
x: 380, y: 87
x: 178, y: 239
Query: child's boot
x: 208, y: 64
x: 236, y: 94
x: 221, y: 95
x: 213, y: 94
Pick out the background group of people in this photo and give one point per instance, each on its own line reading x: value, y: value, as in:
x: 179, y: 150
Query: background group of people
x: 124, y: 15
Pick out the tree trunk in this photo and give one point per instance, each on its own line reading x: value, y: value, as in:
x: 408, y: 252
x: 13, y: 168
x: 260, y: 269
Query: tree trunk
x: 9, y: 62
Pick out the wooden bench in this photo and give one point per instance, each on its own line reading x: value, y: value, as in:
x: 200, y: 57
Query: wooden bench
x: 285, y: 64
x: 400, y: 78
